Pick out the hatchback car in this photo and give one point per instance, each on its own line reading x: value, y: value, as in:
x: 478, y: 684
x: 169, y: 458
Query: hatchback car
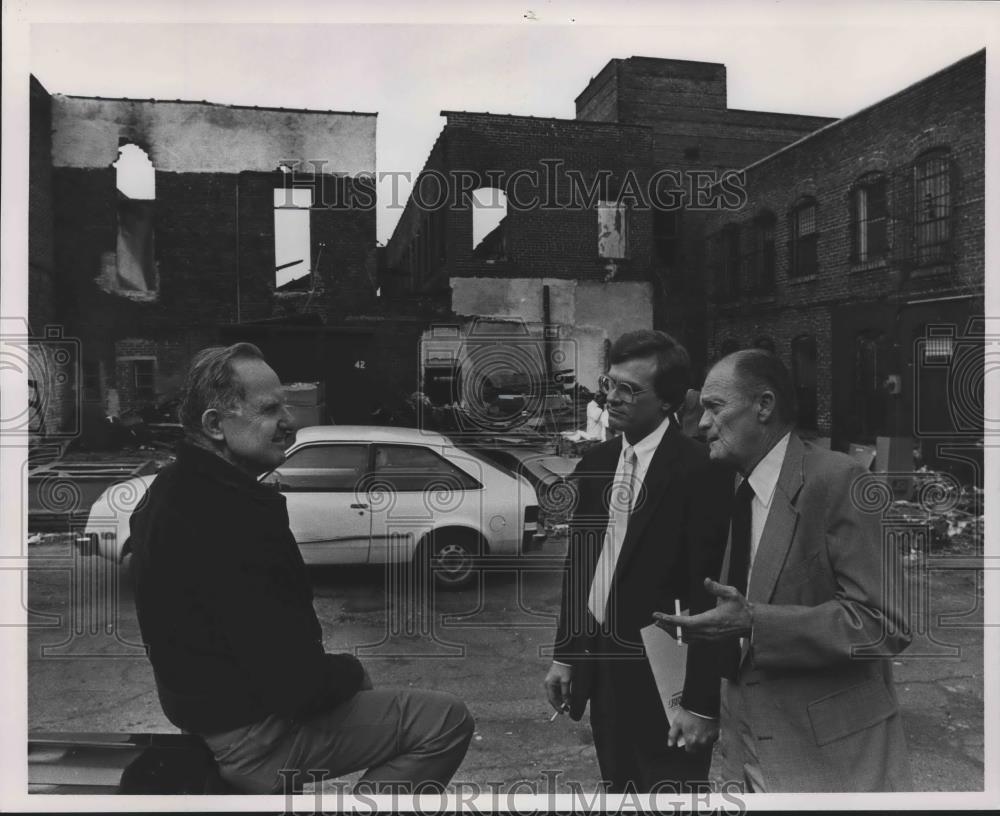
x: 376, y: 495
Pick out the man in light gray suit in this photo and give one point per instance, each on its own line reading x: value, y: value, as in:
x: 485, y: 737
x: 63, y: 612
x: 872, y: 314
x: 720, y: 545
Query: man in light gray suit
x: 810, y: 601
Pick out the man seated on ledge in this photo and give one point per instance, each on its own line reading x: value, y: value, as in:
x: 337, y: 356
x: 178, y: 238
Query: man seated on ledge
x: 225, y: 609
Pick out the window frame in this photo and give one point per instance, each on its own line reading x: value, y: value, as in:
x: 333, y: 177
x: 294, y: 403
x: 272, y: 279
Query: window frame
x: 931, y: 252
x: 798, y: 241
x: 137, y: 389
x: 470, y: 482
x: 863, y: 221
x: 366, y: 468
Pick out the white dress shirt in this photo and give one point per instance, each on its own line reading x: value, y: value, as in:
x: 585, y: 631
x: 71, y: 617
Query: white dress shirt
x: 763, y: 480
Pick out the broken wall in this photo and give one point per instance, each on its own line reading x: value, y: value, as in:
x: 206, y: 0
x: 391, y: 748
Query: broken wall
x: 212, y: 225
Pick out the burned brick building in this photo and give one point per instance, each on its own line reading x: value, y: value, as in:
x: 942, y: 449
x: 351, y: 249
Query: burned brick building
x: 859, y: 258
x: 160, y: 227
x: 597, y: 229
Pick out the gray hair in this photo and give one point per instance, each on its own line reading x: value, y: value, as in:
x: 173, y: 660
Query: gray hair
x: 212, y: 383
x: 759, y: 370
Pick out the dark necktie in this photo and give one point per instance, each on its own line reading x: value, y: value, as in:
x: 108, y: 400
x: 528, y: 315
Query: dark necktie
x: 739, y: 554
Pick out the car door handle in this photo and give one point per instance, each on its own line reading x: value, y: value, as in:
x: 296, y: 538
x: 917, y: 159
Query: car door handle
x: 359, y: 506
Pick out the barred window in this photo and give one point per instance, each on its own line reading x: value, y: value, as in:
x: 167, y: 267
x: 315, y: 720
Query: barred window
x: 932, y: 206
x: 804, y: 239
x: 870, y: 234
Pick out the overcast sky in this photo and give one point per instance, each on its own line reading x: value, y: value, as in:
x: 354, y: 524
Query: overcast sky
x: 829, y: 59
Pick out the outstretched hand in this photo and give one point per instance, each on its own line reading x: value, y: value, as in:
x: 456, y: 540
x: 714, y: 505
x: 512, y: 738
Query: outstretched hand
x: 732, y: 617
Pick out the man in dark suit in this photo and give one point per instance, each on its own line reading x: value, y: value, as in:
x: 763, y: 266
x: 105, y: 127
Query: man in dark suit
x: 642, y: 535
x: 811, y: 609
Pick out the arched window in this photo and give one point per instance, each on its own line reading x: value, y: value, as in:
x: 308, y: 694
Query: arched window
x: 932, y: 206
x: 804, y: 376
x: 804, y: 237
x: 134, y: 274
x: 869, y: 219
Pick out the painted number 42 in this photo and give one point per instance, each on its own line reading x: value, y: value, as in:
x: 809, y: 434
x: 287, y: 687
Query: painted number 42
x: 360, y: 364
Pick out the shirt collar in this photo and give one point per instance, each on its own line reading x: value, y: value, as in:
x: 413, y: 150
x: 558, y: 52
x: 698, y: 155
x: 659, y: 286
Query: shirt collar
x: 646, y: 447
x: 764, y: 477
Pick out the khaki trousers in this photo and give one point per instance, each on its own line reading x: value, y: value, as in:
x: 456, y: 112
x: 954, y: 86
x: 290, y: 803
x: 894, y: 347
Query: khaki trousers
x: 403, y: 738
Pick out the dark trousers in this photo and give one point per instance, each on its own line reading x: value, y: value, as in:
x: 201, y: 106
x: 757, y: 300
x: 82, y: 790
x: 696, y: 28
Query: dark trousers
x: 631, y: 757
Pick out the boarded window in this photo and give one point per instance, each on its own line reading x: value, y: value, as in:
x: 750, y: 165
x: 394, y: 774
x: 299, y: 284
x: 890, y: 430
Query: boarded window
x: 292, y: 240
x: 870, y: 221
x: 612, y: 230
x: 932, y: 205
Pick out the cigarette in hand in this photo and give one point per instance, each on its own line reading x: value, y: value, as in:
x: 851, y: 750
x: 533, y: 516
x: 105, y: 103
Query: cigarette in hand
x: 677, y: 612
x: 561, y: 710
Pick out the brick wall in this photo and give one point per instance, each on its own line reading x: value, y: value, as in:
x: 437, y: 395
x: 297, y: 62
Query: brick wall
x: 210, y: 252
x: 558, y: 242
x: 945, y: 110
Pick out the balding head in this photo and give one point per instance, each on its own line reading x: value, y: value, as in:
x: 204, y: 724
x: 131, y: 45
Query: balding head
x: 749, y: 404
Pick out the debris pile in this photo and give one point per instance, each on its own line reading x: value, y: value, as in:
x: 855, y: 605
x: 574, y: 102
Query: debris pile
x: 953, y: 512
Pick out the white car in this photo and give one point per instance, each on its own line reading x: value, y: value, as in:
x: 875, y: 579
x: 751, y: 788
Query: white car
x: 375, y: 495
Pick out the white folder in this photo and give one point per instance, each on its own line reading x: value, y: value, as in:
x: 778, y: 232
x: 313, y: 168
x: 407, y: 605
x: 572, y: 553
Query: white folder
x: 668, y: 660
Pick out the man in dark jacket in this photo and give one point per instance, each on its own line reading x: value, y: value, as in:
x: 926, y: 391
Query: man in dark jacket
x: 643, y: 534
x: 225, y: 609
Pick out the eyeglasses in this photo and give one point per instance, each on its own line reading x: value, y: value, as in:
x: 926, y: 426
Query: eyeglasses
x: 626, y: 393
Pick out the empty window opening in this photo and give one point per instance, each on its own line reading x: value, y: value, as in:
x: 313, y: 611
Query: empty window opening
x: 489, y: 211
x: 612, y: 230
x: 292, y: 238
x: 134, y: 270
x: 135, y: 176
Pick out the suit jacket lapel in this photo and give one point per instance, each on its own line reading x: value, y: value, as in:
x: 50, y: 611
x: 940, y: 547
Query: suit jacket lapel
x: 654, y: 485
x: 779, y: 527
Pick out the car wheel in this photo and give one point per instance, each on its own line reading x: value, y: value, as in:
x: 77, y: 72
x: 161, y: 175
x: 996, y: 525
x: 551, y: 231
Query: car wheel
x: 451, y: 556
